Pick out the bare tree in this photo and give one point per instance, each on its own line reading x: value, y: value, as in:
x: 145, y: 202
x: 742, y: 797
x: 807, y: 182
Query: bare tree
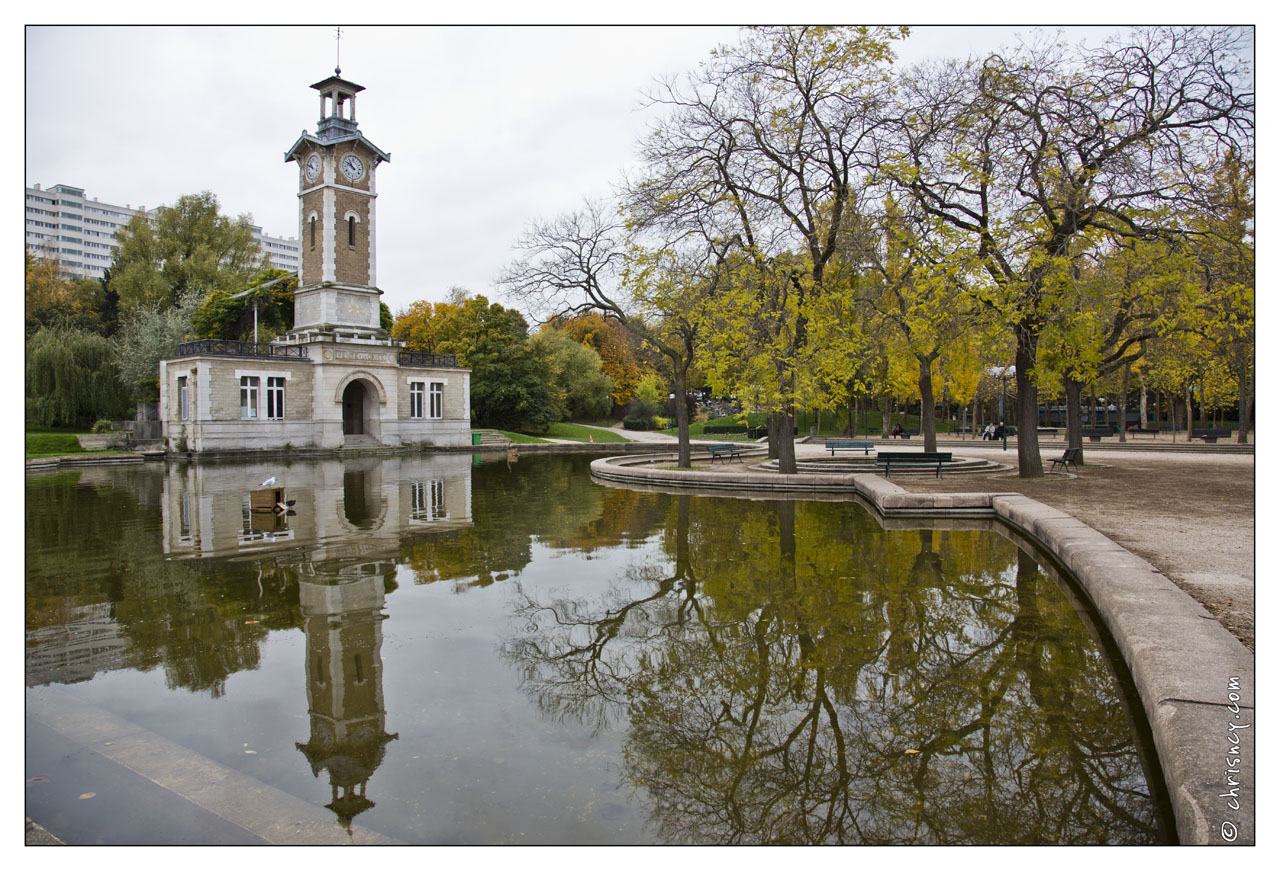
x: 585, y: 261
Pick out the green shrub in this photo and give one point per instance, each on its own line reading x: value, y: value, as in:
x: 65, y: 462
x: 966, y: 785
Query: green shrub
x: 101, y: 426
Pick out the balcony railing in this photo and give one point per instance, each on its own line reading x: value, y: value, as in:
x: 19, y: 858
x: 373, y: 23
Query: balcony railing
x: 229, y: 348
x: 415, y: 358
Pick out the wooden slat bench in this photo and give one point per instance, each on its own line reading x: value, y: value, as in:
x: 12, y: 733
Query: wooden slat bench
x: 906, y: 433
x: 1071, y: 456
x: 1138, y: 430
x: 888, y: 459
x: 1211, y: 436
x: 725, y: 452
x: 1098, y: 433
x: 865, y: 447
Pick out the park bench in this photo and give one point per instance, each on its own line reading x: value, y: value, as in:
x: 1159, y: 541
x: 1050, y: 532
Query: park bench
x: 1138, y: 430
x: 906, y: 433
x: 1098, y: 433
x: 1211, y: 436
x: 865, y: 447
x: 1046, y: 431
x: 888, y: 459
x: 724, y: 451
x: 1071, y: 456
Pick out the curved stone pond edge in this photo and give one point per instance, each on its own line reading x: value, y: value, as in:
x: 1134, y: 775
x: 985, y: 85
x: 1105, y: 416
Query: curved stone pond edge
x: 1196, y: 681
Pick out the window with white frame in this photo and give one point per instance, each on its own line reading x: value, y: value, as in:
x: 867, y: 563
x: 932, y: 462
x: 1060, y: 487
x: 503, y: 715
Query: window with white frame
x: 437, y: 400
x: 427, y: 501
x: 275, y: 398
x: 417, y: 394
x: 184, y: 405
x: 249, y: 397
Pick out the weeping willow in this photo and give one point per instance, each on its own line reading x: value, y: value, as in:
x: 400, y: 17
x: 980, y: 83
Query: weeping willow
x: 71, y: 379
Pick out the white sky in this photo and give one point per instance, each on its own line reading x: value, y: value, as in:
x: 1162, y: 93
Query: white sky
x: 488, y: 127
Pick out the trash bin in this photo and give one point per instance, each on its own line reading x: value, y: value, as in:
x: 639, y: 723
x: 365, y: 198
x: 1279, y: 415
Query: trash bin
x: 475, y: 438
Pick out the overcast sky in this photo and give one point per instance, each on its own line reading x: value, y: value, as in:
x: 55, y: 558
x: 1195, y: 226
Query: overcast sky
x: 487, y: 127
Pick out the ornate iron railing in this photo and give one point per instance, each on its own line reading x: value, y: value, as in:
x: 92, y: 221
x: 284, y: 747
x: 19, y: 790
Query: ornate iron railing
x: 416, y: 358
x: 229, y: 348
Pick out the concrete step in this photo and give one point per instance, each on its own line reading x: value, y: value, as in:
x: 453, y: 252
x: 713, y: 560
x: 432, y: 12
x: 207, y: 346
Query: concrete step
x: 492, y: 437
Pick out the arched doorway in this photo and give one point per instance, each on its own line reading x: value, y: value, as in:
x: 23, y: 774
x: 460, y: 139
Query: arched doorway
x: 353, y: 400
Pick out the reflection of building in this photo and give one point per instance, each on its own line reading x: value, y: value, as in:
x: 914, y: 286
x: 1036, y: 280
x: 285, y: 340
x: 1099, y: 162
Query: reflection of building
x: 337, y: 378
x: 356, y: 508
x: 86, y: 641
x: 342, y: 619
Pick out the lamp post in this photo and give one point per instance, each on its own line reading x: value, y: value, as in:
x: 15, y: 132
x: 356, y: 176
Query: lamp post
x: 1004, y: 391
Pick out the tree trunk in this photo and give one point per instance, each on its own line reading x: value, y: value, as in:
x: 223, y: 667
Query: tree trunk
x: 1142, y: 405
x: 1029, y: 465
x: 684, y: 450
x: 1123, y: 405
x: 787, y: 442
x: 849, y: 430
x: 1203, y: 415
x: 1075, y: 438
x: 771, y: 425
x: 1190, y: 412
x: 884, y: 416
x: 1245, y: 403
x: 974, y: 433
x: 928, y: 420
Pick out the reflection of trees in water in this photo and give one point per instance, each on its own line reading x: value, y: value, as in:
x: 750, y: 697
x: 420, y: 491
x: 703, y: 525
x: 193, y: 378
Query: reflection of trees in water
x: 798, y: 675
x: 551, y: 501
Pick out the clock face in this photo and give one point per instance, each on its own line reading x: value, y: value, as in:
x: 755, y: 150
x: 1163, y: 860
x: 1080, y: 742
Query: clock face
x: 352, y: 167
x: 313, y: 167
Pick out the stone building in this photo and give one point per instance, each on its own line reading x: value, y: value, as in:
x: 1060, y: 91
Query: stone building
x: 337, y: 379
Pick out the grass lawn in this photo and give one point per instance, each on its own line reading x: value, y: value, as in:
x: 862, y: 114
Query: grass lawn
x: 57, y: 443
x: 49, y: 443
x: 520, y: 438
x: 575, y: 433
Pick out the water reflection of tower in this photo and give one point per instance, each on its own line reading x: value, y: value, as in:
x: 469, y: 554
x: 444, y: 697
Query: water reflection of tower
x: 342, y: 618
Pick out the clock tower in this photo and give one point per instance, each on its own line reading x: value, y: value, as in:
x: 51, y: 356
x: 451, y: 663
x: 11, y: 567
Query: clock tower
x: 337, y: 296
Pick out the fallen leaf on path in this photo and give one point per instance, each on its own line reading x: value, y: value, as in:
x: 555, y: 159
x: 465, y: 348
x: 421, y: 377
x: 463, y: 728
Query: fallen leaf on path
x: 87, y: 795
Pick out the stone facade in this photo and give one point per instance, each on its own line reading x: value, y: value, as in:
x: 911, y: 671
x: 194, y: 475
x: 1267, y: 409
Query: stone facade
x: 313, y: 394
x: 337, y: 379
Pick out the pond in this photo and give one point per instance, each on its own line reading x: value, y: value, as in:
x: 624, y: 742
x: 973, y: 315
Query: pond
x: 445, y: 650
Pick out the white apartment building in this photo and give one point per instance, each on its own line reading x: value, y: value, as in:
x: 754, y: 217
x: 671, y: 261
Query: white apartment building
x: 81, y: 231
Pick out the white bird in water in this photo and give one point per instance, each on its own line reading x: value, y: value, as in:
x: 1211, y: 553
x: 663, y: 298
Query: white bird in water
x: 270, y: 482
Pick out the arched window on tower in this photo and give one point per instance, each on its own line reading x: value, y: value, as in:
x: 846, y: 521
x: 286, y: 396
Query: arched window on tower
x: 313, y: 232
x: 351, y: 231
